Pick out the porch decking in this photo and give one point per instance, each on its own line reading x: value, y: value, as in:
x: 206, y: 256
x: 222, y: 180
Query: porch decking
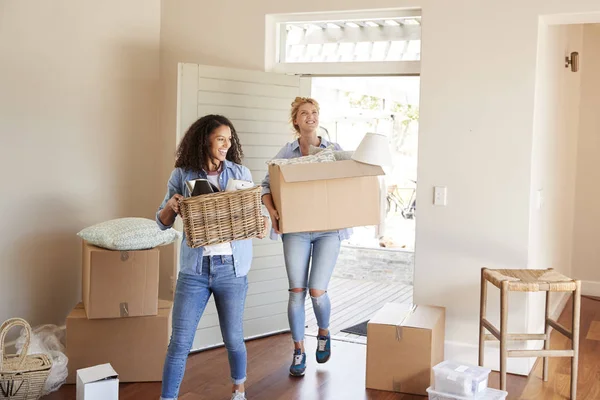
x: 354, y: 301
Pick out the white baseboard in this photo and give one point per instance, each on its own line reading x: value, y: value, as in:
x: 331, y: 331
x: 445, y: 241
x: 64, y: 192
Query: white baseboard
x: 554, y: 314
x: 590, y: 288
x: 560, y: 306
x: 469, y: 353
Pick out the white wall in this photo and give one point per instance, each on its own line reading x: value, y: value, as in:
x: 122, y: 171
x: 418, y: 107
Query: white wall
x: 476, y: 124
x: 553, y: 163
x: 554, y: 155
x: 586, y: 251
x: 79, y: 133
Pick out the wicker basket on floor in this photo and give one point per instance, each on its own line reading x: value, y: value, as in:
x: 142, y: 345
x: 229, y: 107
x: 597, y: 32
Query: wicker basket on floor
x: 22, y: 376
x: 222, y: 217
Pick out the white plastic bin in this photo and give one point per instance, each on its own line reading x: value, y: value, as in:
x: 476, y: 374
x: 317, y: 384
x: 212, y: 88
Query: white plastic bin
x: 487, y: 394
x: 460, y: 379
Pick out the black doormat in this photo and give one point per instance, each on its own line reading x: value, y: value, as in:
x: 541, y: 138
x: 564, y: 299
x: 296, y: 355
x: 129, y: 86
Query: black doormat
x: 358, y: 329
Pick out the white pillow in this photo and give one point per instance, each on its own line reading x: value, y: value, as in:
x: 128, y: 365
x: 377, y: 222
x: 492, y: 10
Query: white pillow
x: 128, y: 234
x: 323, y: 156
x: 340, y: 155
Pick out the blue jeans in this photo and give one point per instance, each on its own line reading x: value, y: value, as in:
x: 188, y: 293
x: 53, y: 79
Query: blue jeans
x: 324, y: 247
x: 191, y: 296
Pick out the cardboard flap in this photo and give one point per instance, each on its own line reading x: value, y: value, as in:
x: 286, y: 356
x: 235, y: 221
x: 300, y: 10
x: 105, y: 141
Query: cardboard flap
x: 424, y: 317
x: 393, y: 314
x: 331, y: 170
x: 97, y: 373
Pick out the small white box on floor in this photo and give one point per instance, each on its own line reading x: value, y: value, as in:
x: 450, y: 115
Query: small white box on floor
x: 100, y: 382
x: 460, y: 379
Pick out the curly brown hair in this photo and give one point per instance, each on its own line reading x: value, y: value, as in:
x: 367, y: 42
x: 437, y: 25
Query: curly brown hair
x: 193, y: 152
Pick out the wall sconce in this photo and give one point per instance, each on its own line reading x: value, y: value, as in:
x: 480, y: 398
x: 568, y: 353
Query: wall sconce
x: 573, y: 61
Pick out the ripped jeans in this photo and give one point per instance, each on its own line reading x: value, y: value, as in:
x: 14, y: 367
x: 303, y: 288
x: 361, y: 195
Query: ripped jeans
x: 324, y: 247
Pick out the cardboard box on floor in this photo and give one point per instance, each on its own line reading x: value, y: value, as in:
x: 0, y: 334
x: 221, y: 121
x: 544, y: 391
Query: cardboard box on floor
x: 119, y: 283
x: 100, y: 382
x: 326, y: 196
x: 135, y: 347
x: 403, y: 345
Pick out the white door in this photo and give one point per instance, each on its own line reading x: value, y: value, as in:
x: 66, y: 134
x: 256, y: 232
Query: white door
x: 257, y: 103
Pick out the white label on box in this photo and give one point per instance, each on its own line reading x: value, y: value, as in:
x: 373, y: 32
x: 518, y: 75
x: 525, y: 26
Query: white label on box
x: 462, y: 368
x: 452, y: 377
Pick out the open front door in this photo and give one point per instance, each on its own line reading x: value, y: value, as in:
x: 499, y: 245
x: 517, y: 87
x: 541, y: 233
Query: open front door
x: 258, y: 104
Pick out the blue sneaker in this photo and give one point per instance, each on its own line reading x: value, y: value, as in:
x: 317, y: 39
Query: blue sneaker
x: 323, y: 348
x: 298, y: 363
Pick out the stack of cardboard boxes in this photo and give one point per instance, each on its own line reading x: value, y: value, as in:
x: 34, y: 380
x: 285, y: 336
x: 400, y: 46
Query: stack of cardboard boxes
x: 121, y: 320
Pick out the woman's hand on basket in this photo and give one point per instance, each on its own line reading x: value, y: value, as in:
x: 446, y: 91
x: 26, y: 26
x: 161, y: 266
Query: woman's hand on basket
x: 173, y: 202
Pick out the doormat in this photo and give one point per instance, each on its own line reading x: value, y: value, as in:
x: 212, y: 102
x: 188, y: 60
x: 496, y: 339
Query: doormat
x: 358, y: 329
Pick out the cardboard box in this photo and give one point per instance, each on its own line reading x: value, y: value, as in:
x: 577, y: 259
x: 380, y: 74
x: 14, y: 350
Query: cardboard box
x: 404, y: 343
x: 326, y: 196
x: 99, y: 382
x: 136, y: 347
x: 120, y: 283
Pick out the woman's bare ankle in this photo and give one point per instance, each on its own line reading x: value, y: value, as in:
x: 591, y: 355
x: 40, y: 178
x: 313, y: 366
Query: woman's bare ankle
x: 299, y: 345
x: 323, y: 332
x: 240, y: 388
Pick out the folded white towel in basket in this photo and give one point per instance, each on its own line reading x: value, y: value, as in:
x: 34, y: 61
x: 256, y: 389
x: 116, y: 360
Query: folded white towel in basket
x: 236, y: 184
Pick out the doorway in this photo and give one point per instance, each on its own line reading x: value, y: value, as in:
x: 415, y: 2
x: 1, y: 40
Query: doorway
x: 376, y: 264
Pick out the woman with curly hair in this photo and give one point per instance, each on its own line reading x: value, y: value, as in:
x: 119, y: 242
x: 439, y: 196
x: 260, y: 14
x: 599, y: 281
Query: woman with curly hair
x: 210, y: 150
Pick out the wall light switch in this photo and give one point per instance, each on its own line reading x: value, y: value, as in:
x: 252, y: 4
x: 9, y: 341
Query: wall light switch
x: 439, y: 195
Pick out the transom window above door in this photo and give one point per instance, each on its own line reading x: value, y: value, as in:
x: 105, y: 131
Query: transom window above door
x: 397, y: 39
x: 387, y: 36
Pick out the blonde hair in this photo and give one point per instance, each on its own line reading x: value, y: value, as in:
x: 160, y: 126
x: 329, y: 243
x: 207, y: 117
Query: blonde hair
x: 298, y: 101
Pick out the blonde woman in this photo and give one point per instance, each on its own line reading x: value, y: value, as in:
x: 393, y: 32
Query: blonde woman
x: 299, y: 248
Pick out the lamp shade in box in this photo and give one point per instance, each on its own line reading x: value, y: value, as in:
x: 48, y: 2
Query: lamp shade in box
x: 374, y: 149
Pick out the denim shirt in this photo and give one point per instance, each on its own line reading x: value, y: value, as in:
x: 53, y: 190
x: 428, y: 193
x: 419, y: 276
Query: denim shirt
x: 191, y: 259
x: 292, y: 150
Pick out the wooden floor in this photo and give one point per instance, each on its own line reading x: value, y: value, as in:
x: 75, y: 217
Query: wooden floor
x: 343, y: 377
x: 354, y: 301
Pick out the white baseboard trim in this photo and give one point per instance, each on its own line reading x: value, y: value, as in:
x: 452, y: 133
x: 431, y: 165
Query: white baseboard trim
x: 560, y: 306
x: 469, y: 353
x: 554, y: 314
x: 590, y: 288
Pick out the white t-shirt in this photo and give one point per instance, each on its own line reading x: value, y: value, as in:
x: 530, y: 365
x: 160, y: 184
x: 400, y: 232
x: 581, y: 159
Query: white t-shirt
x: 217, y: 249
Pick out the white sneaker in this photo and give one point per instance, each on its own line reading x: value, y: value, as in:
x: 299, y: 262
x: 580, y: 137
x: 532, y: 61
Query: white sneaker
x: 238, y: 396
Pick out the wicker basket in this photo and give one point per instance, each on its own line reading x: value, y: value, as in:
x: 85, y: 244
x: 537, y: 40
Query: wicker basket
x: 222, y: 217
x: 22, y: 376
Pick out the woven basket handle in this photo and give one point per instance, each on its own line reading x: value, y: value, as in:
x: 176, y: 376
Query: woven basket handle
x: 7, y: 326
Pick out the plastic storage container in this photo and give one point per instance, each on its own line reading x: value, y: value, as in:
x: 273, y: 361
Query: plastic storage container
x: 487, y: 394
x: 460, y: 379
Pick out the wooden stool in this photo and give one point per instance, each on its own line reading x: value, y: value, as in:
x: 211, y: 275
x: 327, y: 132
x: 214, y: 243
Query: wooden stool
x: 529, y: 280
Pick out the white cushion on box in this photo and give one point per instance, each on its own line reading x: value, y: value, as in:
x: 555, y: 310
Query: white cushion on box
x: 128, y: 234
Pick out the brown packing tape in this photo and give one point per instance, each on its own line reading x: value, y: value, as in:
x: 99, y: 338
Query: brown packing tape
x: 398, y: 333
x: 400, y: 324
x: 124, y: 309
